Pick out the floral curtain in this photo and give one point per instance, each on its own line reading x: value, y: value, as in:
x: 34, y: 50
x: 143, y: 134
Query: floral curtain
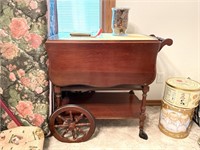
x: 23, y: 62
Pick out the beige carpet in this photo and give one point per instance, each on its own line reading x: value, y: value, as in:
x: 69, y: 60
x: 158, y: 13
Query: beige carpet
x: 123, y: 135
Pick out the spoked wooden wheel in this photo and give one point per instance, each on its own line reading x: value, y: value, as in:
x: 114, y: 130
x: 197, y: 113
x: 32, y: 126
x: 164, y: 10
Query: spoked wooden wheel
x: 72, y: 123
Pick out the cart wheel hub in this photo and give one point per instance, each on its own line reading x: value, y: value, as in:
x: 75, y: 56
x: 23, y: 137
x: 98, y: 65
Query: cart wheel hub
x: 72, y: 125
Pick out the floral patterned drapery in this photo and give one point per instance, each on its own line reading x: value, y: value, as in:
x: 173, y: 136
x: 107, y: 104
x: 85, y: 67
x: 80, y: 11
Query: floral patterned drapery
x: 23, y: 68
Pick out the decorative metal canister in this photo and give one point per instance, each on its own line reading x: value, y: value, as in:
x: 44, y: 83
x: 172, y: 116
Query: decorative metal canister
x: 182, y: 92
x: 119, y: 21
x: 174, y: 121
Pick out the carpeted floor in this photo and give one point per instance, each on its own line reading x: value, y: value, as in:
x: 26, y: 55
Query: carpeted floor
x: 123, y: 135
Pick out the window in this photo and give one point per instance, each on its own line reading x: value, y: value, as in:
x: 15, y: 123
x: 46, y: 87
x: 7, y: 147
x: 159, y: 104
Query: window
x: 78, y: 16
x: 64, y: 18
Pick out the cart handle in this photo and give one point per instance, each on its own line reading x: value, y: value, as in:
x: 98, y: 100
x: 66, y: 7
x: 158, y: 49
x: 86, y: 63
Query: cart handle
x: 163, y: 41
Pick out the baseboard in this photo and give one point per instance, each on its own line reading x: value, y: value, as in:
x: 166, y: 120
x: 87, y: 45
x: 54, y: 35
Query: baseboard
x: 153, y: 102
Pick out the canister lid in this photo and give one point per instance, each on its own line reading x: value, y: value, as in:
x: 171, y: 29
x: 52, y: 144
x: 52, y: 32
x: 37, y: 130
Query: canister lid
x: 183, y: 83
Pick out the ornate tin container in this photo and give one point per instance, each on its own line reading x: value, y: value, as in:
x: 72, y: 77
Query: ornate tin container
x: 196, y: 116
x: 182, y: 92
x: 174, y: 121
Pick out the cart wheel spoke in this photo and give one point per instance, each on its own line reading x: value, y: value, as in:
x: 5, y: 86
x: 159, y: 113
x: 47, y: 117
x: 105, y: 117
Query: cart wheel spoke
x: 74, y: 134
x: 81, y: 131
x: 65, y: 132
x: 79, y: 118
x: 61, y: 125
x: 82, y: 124
x: 59, y: 116
x: 71, y: 116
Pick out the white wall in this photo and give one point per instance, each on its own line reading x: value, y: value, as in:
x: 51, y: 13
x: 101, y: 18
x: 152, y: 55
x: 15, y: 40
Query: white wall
x: 176, y: 19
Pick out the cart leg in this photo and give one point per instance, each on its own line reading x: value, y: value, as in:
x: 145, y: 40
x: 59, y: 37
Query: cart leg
x: 57, y: 91
x: 131, y: 94
x: 142, y: 134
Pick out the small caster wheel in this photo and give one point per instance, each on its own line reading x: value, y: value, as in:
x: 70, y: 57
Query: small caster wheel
x: 71, y: 124
x: 143, y: 135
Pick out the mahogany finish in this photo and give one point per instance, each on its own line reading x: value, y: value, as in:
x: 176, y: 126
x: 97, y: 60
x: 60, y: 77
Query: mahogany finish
x: 109, y: 105
x: 102, y: 64
x: 95, y: 64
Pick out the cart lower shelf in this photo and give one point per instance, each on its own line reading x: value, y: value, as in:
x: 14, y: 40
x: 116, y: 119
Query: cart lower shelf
x: 109, y: 105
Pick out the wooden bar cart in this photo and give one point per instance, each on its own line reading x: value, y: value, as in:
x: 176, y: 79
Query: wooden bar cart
x: 87, y: 65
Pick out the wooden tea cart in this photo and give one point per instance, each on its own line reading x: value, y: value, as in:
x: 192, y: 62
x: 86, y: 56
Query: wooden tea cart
x: 106, y: 62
